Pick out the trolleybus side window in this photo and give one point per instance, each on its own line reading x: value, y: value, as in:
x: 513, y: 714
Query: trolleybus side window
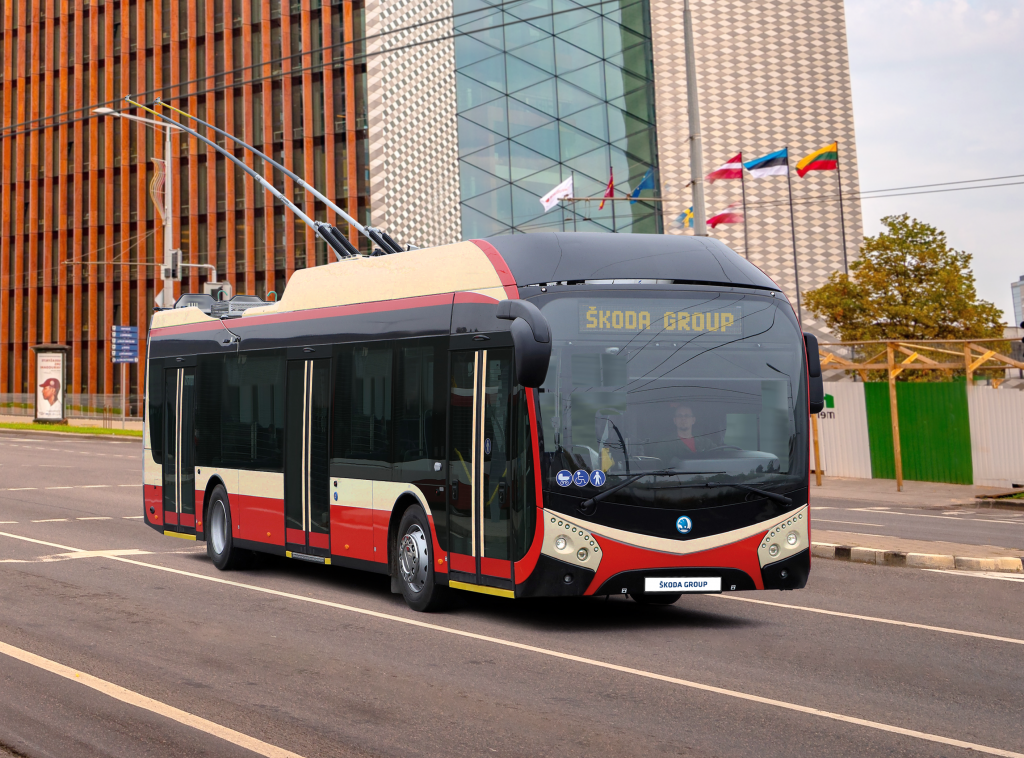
x: 420, y: 397
x: 362, y: 412
x: 240, y: 410
x: 155, y: 412
x: 524, y: 496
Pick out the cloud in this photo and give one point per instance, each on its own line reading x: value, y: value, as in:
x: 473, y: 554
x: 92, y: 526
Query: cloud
x: 938, y: 89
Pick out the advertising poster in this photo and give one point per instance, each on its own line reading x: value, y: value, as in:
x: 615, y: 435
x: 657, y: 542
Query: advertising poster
x: 50, y: 386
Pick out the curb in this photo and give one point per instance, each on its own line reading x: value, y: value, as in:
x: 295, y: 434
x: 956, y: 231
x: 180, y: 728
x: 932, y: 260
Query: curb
x: 915, y: 560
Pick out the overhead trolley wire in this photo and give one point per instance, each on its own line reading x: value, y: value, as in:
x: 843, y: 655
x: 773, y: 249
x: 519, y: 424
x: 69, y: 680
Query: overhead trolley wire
x: 334, y: 62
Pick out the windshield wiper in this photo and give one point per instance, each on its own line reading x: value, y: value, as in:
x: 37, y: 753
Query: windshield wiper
x: 775, y: 497
x: 587, y: 504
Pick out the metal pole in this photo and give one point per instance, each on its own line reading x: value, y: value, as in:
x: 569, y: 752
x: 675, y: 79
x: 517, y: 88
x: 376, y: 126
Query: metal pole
x: 895, y: 414
x: 842, y: 221
x: 743, y: 189
x: 168, y: 299
x: 124, y: 402
x: 700, y: 227
x: 817, y: 450
x: 792, y: 228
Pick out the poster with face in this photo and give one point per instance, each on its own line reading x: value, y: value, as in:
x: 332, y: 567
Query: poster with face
x: 49, y: 385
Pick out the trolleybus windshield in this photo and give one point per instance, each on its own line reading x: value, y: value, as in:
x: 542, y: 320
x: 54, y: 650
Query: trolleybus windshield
x: 710, y: 385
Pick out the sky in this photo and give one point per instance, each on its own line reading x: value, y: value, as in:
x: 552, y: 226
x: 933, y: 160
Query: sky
x: 938, y: 96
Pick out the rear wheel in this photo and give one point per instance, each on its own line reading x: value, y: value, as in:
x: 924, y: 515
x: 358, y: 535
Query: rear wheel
x: 414, y: 563
x: 219, y: 543
x: 660, y: 598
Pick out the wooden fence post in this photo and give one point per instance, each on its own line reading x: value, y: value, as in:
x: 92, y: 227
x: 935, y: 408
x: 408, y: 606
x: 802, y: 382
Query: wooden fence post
x: 968, y: 359
x: 894, y: 412
x: 817, y: 454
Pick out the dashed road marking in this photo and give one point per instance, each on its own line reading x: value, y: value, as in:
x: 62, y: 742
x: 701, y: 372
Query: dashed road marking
x: 833, y: 521
x: 689, y: 684
x: 93, y: 518
x: 48, y: 520
x: 982, y: 574
x: 146, y: 703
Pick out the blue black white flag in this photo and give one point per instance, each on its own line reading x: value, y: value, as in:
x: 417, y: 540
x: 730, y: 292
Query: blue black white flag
x: 773, y: 164
x: 646, y: 183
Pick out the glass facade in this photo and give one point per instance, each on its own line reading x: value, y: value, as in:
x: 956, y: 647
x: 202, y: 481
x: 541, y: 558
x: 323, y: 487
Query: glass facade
x: 549, y: 89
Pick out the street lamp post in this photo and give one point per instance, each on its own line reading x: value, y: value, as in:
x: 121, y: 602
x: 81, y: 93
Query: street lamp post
x: 166, y: 297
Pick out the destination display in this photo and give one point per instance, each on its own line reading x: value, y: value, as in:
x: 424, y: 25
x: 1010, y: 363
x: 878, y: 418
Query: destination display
x: 632, y: 316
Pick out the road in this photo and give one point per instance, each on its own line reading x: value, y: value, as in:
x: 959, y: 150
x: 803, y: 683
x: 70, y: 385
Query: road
x: 967, y: 525
x: 139, y: 647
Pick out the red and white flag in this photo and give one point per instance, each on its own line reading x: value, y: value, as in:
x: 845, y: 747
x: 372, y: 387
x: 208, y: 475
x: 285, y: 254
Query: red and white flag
x: 551, y: 199
x: 609, y: 191
x: 731, y: 169
x: 729, y: 216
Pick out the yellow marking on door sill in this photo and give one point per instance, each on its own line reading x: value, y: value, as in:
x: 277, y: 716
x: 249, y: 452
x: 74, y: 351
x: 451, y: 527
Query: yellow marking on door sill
x: 179, y: 535
x: 481, y: 589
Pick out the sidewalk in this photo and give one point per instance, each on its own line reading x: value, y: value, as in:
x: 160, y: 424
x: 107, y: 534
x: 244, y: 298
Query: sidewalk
x: 883, y: 492
x: 92, y: 423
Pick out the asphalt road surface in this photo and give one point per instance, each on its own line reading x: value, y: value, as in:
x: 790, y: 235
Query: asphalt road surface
x: 115, y: 640
x: 967, y: 525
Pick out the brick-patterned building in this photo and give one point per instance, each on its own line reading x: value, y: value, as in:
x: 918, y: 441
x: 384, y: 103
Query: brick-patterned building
x: 439, y: 119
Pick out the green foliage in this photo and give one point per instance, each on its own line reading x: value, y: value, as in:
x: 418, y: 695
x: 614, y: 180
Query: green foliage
x: 67, y: 429
x: 908, y: 284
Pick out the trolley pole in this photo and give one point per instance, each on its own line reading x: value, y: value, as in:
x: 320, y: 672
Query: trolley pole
x: 700, y: 227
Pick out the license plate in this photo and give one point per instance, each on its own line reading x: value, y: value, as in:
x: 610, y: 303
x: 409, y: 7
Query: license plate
x: 683, y: 584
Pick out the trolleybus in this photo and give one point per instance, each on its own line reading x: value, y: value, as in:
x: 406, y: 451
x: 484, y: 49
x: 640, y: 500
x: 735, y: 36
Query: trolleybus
x: 528, y: 415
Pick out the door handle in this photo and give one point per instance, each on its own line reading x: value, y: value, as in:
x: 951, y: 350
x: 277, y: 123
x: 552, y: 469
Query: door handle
x: 502, y: 488
x: 455, y: 492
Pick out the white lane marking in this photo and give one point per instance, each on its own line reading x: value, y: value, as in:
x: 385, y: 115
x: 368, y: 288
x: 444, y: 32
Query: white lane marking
x: 93, y: 518
x: 129, y: 485
x: 19, y: 489
x: 131, y: 517
x: 47, y: 520
x: 92, y: 486
x: 982, y: 574
x: 925, y: 736
x: 833, y: 521
x: 149, y: 704
x: 59, y: 488
x: 78, y: 554
x: 973, y: 520
x: 8, y: 522
x: 877, y: 620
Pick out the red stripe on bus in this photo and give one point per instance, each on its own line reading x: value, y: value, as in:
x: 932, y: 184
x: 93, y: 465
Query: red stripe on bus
x: 295, y: 536
x: 504, y: 272
x: 188, y: 519
x: 171, y: 518
x: 319, y: 540
x: 463, y: 563
x: 496, y: 567
x: 525, y: 567
x: 473, y: 297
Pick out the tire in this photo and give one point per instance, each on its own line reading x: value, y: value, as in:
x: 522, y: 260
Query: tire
x: 414, y: 563
x: 660, y: 598
x: 219, y: 543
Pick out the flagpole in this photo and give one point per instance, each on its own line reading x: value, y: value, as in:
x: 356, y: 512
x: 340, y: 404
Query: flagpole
x: 842, y: 220
x: 696, y: 151
x: 792, y: 228
x: 743, y: 189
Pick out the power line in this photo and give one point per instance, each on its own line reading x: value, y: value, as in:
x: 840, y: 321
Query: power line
x: 360, y: 57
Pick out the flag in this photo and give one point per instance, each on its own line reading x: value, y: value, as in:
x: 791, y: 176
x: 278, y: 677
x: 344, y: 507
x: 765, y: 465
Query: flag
x: 609, y: 191
x: 685, y: 219
x: 824, y: 159
x: 729, y: 216
x: 646, y: 183
x: 551, y: 199
x: 773, y: 164
x: 731, y: 169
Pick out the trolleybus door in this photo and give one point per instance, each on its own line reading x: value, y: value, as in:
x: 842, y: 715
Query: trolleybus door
x: 479, y: 468
x: 179, y: 472
x: 307, y: 510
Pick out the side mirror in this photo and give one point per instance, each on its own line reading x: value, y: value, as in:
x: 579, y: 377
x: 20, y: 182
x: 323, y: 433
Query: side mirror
x: 531, y: 336
x: 815, y: 385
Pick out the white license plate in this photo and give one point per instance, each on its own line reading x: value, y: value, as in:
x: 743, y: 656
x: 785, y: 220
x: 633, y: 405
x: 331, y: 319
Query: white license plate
x: 683, y: 584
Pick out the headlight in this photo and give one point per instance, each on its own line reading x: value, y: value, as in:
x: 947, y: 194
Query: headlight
x: 560, y: 543
x: 792, y: 538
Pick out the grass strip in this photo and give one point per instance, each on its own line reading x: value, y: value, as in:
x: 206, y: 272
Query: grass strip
x: 72, y: 429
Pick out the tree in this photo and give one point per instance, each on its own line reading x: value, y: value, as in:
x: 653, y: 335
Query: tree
x: 908, y: 284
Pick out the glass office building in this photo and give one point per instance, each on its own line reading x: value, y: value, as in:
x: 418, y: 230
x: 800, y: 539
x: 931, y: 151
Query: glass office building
x: 547, y: 89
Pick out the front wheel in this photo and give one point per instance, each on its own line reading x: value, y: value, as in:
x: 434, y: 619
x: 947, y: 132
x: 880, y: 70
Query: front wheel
x: 661, y: 598
x: 219, y: 545
x: 414, y: 563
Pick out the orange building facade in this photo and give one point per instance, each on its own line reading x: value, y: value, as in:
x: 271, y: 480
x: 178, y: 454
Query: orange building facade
x: 81, y: 242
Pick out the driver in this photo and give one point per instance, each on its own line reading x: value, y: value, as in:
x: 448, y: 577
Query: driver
x: 686, y: 443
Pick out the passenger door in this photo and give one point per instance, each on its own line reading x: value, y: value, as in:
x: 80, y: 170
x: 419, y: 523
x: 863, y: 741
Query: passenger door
x: 479, y: 469
x: 306, y: 472
x: 179, y: 472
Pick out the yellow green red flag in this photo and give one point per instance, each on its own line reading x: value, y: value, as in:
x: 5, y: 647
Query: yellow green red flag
x: 824, y: 159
